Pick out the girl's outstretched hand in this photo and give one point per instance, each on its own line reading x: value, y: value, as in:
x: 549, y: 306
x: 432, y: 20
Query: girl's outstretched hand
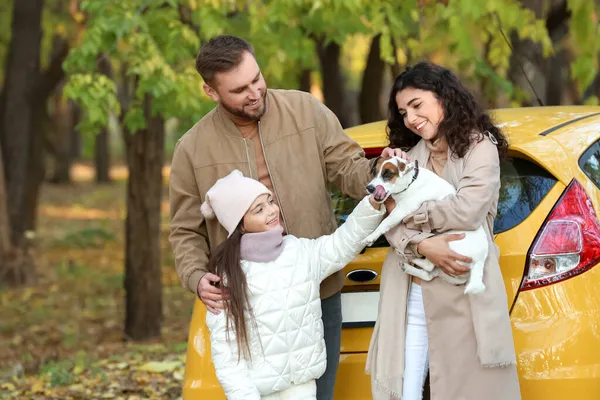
x: 375, y: 204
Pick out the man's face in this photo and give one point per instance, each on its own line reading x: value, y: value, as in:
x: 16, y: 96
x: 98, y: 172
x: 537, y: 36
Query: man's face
x: 241, y: 91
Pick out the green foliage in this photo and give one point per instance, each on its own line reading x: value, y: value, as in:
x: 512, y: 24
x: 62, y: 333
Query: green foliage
x: 153, y: 51
x: 59, y: 373
x: 97, y: 94
x: 585, y: 41
x: 284, y: 30
x: 5, y: 33
x: 149, y: 43
x: 469, y: 34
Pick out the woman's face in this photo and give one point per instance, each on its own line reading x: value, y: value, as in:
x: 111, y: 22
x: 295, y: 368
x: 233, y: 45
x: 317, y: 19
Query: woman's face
x: 263, y: 215
x: 421, y: 110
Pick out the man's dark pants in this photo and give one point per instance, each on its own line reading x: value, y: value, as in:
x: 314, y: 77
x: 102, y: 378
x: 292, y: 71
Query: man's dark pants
x: 332, y: 324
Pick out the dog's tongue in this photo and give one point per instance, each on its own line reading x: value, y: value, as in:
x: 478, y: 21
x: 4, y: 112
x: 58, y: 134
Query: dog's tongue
x: 379, y: 192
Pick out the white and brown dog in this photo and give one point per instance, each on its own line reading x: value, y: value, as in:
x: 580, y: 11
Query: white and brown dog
x: 410, y: 186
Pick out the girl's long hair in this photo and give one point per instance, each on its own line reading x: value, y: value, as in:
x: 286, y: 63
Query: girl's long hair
x: 225, y: 263
x: 463, y: 114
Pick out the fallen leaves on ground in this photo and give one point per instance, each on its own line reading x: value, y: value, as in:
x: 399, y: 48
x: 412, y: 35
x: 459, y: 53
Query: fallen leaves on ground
x: 63, y: 338
x: 129, y: 375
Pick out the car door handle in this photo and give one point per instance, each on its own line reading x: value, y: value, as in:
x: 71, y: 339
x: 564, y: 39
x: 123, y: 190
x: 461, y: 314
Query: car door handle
x: 362, y: 275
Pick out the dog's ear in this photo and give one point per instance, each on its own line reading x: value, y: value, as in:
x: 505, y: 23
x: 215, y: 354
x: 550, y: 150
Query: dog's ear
x: 374, y: 165
x: 401, y: 167
x: 411, y: 167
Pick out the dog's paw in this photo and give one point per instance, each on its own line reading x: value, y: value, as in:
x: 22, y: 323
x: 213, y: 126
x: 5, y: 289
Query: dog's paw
x: 474, y: 288
x: 369, y: 240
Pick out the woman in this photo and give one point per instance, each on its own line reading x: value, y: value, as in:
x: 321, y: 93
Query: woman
x: 464, y: 341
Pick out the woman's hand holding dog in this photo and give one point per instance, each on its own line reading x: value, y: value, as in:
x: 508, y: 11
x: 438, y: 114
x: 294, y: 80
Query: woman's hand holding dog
x: 437, y: 250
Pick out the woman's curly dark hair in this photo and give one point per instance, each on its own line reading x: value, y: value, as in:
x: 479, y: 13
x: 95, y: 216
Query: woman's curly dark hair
x: 463, y: 115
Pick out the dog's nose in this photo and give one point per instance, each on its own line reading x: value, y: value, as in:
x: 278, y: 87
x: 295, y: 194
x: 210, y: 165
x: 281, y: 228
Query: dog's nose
x: 370, y: 188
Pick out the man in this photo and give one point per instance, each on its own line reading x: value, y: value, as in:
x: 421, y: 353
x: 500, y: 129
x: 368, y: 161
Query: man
x: 287, y: 140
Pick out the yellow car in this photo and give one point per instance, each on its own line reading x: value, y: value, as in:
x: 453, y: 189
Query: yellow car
x: 549, y: 236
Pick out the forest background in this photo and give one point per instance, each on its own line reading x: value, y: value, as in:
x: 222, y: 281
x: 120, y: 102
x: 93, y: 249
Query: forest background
x: 94, y: 95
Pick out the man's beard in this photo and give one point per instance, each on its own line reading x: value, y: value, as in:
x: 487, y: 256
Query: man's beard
x: 240, y: 113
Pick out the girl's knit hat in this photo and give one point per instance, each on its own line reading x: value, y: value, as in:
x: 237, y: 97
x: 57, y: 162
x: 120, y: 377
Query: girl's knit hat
x: 230, y: 198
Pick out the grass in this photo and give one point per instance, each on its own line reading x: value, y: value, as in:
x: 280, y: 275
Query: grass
x: 63, y: 338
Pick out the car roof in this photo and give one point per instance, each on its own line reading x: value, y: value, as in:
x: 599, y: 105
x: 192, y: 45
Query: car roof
x: 553, y: 137
x: 521, y: 125
x: 527, y: 124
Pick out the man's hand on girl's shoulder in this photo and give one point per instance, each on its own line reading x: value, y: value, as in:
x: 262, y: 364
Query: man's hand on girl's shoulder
x: 211, y: 294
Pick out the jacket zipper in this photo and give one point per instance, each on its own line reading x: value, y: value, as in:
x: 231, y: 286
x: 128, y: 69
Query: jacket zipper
x: 248, y: 157
x: 271, y: 176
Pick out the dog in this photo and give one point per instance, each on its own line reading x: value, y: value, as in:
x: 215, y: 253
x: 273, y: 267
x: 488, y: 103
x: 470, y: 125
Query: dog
x: 410, y: 186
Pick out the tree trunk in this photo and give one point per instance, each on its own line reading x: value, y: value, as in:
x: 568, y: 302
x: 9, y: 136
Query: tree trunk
x: 37, y: 170
x: 143, y: 286
x: 5, y: 242
x: 557, y: 24
x: 101, y: 147
x: 59, y: 145
x: 544, y: 73
x: 45, y: 83
x: 372, y: 81
x: 102, y: 156
x: 334, y: 92
x: 555, y: 78
x: 75, y: 147
x: 16, y: 116
x: 396, y: 68
x: 305, y: 80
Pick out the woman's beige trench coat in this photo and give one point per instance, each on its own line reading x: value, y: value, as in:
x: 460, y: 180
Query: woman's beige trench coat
x: 471, y: 350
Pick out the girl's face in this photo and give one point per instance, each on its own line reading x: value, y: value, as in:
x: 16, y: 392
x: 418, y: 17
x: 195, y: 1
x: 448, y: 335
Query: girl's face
x: 421, y: 110
x: 263, y: 215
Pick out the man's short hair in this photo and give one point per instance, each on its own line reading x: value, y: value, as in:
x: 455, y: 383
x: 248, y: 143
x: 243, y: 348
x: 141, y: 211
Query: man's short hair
x: 221, y: 54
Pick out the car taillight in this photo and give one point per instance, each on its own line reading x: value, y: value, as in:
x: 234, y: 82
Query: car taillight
x: 568, y: 243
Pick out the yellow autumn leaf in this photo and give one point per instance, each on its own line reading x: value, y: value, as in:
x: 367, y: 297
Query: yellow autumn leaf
x: 7, y: 386
x: 122, y: 365
x: 26, y: 294
x: 38, y: 387
x: 160, y: 366
x: 78, y: 369
x: 17, y: 340
x: 79, y: 17
x: 178, y: 376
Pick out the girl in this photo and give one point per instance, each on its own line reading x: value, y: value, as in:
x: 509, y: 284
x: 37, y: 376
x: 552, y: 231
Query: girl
x: 268, y: 344
x: 465, y: 342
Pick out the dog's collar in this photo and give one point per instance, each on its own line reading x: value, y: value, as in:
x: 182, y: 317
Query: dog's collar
x: 414, y: 178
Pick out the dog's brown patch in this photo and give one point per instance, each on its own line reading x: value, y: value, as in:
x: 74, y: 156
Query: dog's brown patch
x: 377, y: 165
x: 401, y: 166
x: 390, y: 172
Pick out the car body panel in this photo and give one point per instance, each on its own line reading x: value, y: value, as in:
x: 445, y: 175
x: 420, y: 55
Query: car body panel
x: 557, y: 337
x: 556, y: 328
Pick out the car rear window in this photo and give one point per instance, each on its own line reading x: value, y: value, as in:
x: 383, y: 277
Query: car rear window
x: 589, y: 162
x: 523, y: 186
